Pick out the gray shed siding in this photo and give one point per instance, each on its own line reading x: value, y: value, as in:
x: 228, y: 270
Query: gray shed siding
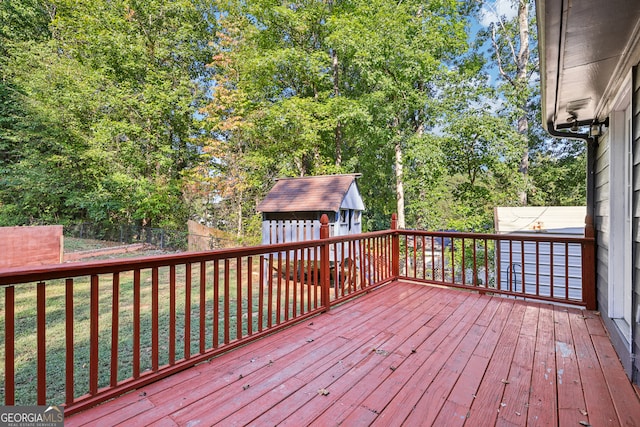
x: 537, y: 269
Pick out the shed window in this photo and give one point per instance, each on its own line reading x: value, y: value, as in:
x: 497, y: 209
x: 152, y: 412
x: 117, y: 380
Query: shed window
x: 356, y: 217
x: 343, y: 216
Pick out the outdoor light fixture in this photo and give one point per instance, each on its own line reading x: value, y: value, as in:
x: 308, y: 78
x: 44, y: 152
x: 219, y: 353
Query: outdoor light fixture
x: 594, y: 129
x: 574, y: 125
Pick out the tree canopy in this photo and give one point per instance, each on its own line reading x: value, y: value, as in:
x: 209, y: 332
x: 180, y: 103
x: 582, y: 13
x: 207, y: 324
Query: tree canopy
x: 154, y: 112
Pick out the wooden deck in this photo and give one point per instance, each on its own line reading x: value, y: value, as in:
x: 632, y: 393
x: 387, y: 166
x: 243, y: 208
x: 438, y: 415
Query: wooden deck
x: 405, y: 354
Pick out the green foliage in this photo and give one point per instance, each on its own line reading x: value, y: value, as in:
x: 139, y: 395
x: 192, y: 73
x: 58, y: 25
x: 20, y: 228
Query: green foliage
x: 326, y: 87
x: 104, y: 107
x: 558, y: 174
x: 153, y: 111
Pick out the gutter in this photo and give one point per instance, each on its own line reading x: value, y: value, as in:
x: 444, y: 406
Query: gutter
x: 592, y: 144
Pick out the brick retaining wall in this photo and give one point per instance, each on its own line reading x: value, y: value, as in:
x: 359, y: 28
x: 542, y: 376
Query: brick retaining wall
x: 29, y: 246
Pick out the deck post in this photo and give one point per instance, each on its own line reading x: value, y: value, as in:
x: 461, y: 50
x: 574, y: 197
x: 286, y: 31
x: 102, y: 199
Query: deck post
x: 325, y: 272
x: 589, y: 265
x: 395, y: 247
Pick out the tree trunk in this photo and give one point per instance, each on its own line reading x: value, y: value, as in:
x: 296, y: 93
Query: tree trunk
x: 399, y: 183
x: 521, y: 81
x: 239, y: 213
x: 336, y: 93
x: 523, y: 127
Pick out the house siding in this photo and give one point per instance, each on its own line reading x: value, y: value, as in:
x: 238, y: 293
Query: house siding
x: 624, y: 349
x: 602, y: 225
x: 635, y: 128
x: 601, y: 222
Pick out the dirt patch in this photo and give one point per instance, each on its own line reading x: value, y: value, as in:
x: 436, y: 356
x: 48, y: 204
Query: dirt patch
x: 104, y: 252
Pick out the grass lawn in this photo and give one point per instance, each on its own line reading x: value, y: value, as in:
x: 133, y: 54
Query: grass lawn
x: 25, y: 323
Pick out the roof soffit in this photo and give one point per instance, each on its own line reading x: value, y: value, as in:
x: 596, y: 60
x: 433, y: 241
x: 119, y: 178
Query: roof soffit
x: 582, y: 46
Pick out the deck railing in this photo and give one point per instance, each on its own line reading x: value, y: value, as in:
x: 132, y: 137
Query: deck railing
x: 544, y: 267
x: 83, y: 333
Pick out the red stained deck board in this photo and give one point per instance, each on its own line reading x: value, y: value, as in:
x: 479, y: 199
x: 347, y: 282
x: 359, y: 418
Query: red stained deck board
x: 442, y: 323
x: 452, y: 415
x: 164, y: 422
x: 455, y: 347
x: 244, y: 364
x: 403, y: 345
x: 252, y: 386
x: 487, y: 346
x: 361, y: 417
x: 216, y: 378
x: 599, y: 404
x: 349, y: 400
x: 489, y: 312
x: 484, y: 409
x: 464, y: 343
x: 241, y: 413
x: 594, y: 324
x: 373, y: 364
x: 244, y: 391
x: 418, y: 312
x: 518, y: 387
x: 121, y: 416
x: 569, y: 386
x: 467, y: 386
x: 342, y: 385
x: 431, y: 402
x: 414, y: 343
x: 122, y: 403
x: 463, y: 393
x: 318, y: 378
x: 446, y: 381
x: 543, y: 404
x: 624, y: 397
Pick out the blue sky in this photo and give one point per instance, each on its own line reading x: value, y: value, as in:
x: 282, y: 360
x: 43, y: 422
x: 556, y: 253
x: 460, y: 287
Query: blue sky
x: 492, y: 10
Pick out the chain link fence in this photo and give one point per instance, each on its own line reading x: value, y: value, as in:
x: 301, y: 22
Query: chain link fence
x: 129, y: 234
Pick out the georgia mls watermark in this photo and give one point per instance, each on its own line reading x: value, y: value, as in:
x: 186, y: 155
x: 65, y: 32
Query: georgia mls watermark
x: 31, y: 416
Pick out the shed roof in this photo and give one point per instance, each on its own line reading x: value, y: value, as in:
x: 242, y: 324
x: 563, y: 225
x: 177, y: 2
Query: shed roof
x: 313, y: 193
x: 540, y: 219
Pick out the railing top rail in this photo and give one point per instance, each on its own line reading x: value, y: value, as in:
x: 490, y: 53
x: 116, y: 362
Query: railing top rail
x: 537, y: 237
x: 18, y: 275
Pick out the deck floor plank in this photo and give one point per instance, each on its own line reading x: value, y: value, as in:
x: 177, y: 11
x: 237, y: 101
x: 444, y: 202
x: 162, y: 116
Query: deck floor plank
x: 431, y: 402
x: 600, y: 407
x: 569, y: 389
x: 456, y: 409
x: 369, y: 358
x: 443, y: 323
x: 405, y: 354
x: 622, y: 392
x: 543, y: 405
x: 489, y: 398
x: 428, y: 388
x: 518, y: 385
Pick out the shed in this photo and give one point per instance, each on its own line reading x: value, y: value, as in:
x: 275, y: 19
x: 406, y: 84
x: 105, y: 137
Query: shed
x: 557, y: 221
x: 291, y: 211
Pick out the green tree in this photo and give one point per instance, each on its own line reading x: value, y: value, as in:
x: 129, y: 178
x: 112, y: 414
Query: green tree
x: 106, y: 102
x: 514, y: 52
x: 551, y: 172
x: 326, y: 87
